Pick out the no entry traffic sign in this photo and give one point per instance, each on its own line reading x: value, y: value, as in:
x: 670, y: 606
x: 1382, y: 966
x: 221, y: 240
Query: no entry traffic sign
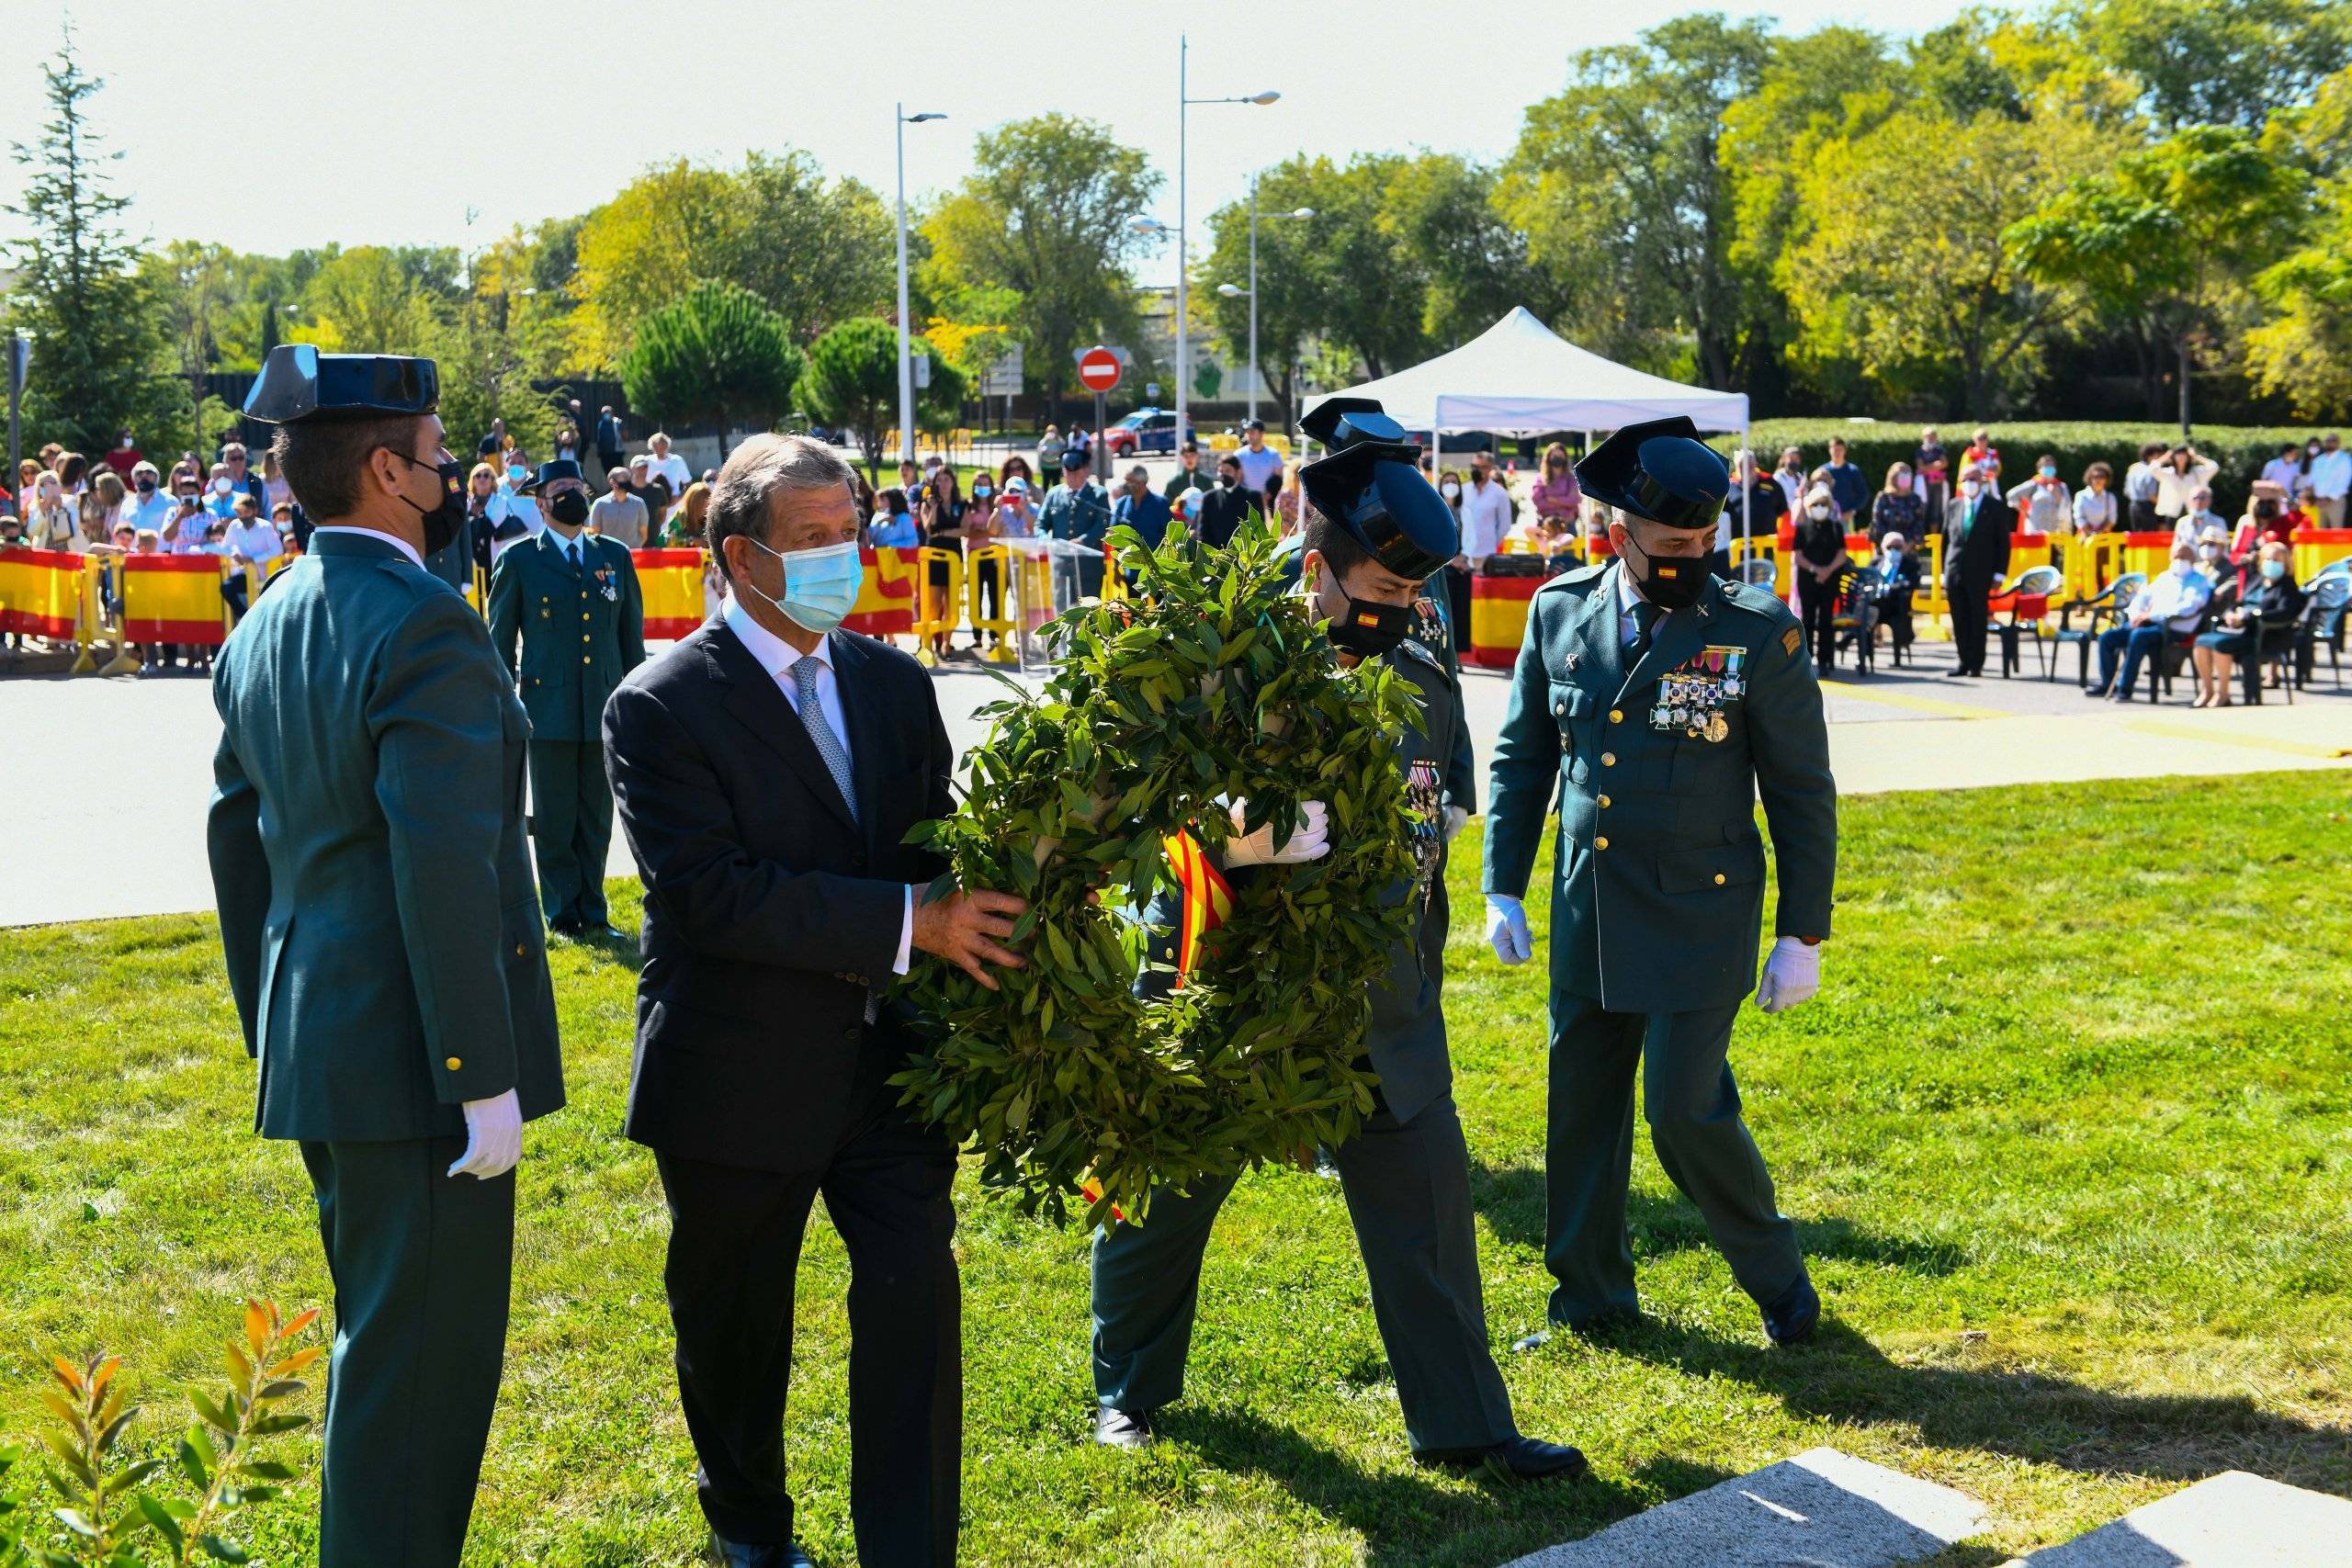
x: 1098, y: 369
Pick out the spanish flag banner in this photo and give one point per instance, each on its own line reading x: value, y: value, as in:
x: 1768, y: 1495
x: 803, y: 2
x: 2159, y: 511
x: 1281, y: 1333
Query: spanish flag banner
x: 173, y: 599
x: 40, y: 591
x: 885, y: 601
x: 670, y: 582
x: 1207, y: 897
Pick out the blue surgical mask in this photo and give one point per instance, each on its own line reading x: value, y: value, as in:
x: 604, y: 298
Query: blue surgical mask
x: 820, y: 586
x: 2274, y: 570
x: 516, y: 472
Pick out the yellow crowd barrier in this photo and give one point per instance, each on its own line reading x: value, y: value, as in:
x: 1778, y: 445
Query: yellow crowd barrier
x: 1005, y: 627
x: 949, y: 605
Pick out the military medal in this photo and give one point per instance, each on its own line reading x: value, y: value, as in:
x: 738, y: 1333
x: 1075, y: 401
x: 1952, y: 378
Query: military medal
x: 605, y: 585
x: 1718, y: 726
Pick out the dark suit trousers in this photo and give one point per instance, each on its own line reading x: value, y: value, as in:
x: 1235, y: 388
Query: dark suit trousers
x: 421, y: 1261
x: 1692, y: 1106
x: 1819, y: 601
x: 571, y: 826
x: 734, y: 1251
x: 1969, y: 620
x: 1407, y: 1187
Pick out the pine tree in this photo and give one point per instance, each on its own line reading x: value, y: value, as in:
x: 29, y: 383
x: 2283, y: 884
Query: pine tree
x: 78, y: 292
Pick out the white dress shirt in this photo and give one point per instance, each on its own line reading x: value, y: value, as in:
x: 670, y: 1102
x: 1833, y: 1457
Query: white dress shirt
x: 777, y: 656
x: 259, y: 542
x: 2331, y: 475
x: 392, y: 539
x: 2177, y: 598
x: 1486, y: 518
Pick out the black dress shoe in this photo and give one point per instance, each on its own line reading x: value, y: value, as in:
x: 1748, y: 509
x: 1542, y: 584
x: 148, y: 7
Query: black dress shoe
x: 1514, y: 1459
x: 1791, y: 1317
x: 766, y: 1554
x: 1124, y: 1429
x: 565, y: 925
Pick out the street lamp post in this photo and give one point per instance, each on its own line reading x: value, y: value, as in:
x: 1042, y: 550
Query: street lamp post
x: 1250, y: 293
x: 1184, y: 101
x: 905, y: 359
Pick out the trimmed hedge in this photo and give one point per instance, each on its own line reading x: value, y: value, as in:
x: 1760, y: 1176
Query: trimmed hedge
x: 2240, y: 450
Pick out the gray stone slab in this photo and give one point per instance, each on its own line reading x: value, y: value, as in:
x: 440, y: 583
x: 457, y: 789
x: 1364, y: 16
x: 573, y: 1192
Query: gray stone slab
x: 1819, y: 1509
x: 2230, y: 1520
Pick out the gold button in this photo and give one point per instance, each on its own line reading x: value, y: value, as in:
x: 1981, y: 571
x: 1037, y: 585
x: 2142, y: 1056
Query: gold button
x: 585, y: 660
x: 583, y: 636
x: 1616, y: 716
x: 1600, y: 843
x: 520, y: 949
x: 1719, y: 879
x: 1604, y: 803
x: 1608, y: 759
x: 453, y: 1063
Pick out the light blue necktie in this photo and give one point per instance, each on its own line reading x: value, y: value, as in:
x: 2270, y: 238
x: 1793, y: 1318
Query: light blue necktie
x: 812, y: 720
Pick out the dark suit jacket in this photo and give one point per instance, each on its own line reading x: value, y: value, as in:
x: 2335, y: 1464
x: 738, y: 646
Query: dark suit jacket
x: 380, y: 929
x: 769, y: 912
x: 1976, y: 543
x: 1223, y: 510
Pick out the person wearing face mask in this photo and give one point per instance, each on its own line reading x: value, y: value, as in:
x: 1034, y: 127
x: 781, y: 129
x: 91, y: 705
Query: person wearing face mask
x: 894, y: 527
x: 1372, y: 536
x: 768, y: 768
x: 2095, y: 510
x: 1898, y: 507
x: 2043, y: 503
x: 1821, y: 563
x: 1656, y: 702
x: 2261, y: 621
x: 2170, y: 605
x: 1886, y: 586
x: 380, y: 939
x: 2199, y: 519
x: 568, y: 621
x: 1977, y: 530
x: 1457, y: 566
x: 148, y: 506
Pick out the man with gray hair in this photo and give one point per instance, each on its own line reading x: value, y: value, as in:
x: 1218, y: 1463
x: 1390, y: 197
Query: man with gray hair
x: 767, y: 770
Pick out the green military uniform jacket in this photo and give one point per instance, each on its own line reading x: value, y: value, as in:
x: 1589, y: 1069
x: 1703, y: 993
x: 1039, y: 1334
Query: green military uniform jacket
x: 378, y: 916
x: 1657, y: 904
x: 1406, y: 1038
x: 579, y: 631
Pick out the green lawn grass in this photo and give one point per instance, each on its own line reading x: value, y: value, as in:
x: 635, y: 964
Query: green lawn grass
x: 2066, y: 1135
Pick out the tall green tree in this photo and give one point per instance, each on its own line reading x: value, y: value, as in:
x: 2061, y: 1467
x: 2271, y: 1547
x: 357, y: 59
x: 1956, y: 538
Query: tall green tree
x: 193, y: 284
x: 1442, y: 210
x: 1626, y: 204
x: 2302, y: 349
x: 716, y: 356
x: 78, y: 294
x: 815, y: 251
x: 1294, y: 276
x: 500, y: 345
x: 1041, y: 226
x: 2216, y: 62
x: 851, y: 382
x: 377, y: 299
x: 1925, y: 300
x: 2168, y: 235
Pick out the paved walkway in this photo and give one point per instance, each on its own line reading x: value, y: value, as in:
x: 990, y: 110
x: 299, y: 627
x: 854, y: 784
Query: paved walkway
x: 110, y: 777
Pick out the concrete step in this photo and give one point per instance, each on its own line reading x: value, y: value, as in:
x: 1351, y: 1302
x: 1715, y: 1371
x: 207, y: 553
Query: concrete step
x: 1822, y: 1508
x: 2230, y: 1520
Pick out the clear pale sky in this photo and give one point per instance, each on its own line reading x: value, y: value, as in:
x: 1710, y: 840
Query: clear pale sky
x: 268, y: 125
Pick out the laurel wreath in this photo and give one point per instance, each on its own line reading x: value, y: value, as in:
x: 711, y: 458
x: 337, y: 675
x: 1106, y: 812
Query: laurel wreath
x: 1210, y: 685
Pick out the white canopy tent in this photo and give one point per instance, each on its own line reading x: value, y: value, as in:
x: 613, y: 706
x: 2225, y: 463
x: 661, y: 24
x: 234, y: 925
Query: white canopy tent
x: 1519, y: 377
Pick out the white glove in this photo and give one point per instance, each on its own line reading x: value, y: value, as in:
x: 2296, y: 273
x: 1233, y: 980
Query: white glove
x: 1506, y: 928
x: 1312, y: 841
x: 1792, y: 973
x: 493, y: 1137
x: 1456, y: 817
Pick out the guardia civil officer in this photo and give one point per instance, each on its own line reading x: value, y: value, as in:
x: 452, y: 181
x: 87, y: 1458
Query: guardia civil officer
x: 571, y: 601
x: 382, y: 941
x: 1373, y: 533
x: 1659, y: 701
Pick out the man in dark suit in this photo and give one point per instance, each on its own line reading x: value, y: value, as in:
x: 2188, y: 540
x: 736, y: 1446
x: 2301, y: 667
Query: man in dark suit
x: 1227, y: 505
x: 767, y: 768
x: 382, y: 940
x: 1976, y: 552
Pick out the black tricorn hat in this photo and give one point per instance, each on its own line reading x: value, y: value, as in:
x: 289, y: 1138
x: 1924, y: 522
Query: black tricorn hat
x: 298, y: 382
x: 1658, y: 469
x: 549, y: 471
x: 1369, y: 485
